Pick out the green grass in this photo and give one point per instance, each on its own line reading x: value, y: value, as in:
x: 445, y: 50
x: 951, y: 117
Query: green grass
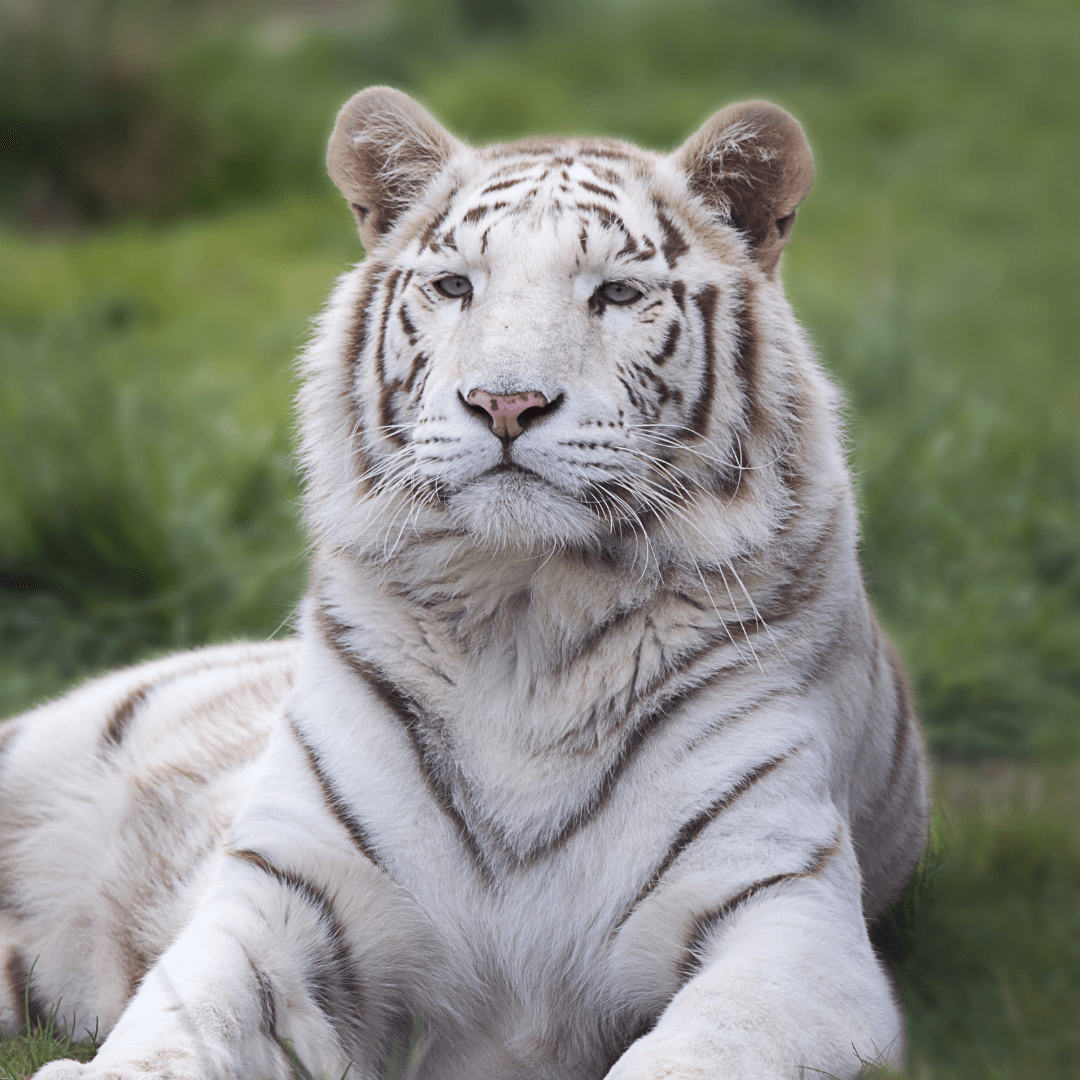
x: 148, y: 499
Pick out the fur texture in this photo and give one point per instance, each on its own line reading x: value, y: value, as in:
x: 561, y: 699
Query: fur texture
x: 590, y: 758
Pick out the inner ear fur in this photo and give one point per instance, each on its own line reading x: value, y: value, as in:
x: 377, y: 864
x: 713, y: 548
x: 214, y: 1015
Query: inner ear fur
x: 384, y: 151
x: 751, y: 163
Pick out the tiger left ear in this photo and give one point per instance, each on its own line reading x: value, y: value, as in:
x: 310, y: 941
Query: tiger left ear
x: 751, y: 163
x: 384, y: 151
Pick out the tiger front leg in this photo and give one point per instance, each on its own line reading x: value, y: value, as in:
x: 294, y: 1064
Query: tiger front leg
x: 782, y: 982
x: 255, y: 988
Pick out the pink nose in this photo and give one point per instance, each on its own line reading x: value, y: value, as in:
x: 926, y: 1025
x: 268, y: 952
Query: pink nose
x: 504, y: 409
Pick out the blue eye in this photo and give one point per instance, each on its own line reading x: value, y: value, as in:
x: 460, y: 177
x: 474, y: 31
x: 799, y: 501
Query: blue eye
x: 455, y: 286
x: 619, y: 292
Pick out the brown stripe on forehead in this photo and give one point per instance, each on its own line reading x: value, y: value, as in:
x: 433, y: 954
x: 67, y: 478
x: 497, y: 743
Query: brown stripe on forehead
x: 606, y: 154
x: 647, y: 251
x: 705, y: 301
x: 608, y: 218
x: 673, y: 245
x: 433, y: 226
x: 597, y: 189
x: 678, y: 292
x: 503, y: 184
x: 609, y: 176
x: 746, y: 357
x: 476, y: 214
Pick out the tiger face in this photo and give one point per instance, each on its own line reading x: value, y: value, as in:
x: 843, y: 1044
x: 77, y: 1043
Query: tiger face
x: 553, y: 343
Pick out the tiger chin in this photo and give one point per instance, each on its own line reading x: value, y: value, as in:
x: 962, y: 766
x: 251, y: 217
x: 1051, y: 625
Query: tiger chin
x: 589, y: 757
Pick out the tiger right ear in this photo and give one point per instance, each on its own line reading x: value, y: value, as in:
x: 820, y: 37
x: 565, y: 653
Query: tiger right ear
x: 751, y: 163
x: 384, y: 151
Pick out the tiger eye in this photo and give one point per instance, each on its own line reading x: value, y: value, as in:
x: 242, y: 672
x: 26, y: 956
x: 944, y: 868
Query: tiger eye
x: 455, y: 286
x: 619, y: 292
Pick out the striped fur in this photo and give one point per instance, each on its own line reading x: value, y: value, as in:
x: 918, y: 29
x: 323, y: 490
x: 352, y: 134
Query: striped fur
x: 590, y: 758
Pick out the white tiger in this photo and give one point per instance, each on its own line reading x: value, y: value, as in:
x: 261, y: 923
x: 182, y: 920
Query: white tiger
x: 590, y: 758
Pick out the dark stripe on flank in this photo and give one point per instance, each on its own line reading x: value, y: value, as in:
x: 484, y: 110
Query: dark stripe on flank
x: 705, y: 301
x: 124, y: 713
x: 704, y: 924
x: 27, y: 1005
x: 334, y: 802
x: 333, y: 984
x: 408, y: 712
x: 694, y: 828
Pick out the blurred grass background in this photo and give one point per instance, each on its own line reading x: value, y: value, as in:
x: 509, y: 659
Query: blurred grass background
x: 168, y: 232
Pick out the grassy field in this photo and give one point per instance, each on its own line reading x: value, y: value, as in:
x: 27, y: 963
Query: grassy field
x: 148, y: 496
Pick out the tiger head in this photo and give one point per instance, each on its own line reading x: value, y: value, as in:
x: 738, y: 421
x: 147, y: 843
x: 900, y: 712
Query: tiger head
x: 564, y: 343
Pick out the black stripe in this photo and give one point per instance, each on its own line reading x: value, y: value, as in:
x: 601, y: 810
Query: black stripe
x: 335, y: 804
x: 705, y: 301
x: 704, y: 924
x: 693, y: 829
x: 409, y: 713
x: 332, y: 983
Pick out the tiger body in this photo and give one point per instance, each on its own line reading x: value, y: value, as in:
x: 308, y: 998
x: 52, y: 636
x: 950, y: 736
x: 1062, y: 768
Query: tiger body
x: 590, y: 757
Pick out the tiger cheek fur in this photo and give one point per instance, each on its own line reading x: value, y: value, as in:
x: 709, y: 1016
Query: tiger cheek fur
x: 590, y: 757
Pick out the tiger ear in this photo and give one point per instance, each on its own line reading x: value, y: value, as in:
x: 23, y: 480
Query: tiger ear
x: 751, y: 163
x: 384, y: 151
